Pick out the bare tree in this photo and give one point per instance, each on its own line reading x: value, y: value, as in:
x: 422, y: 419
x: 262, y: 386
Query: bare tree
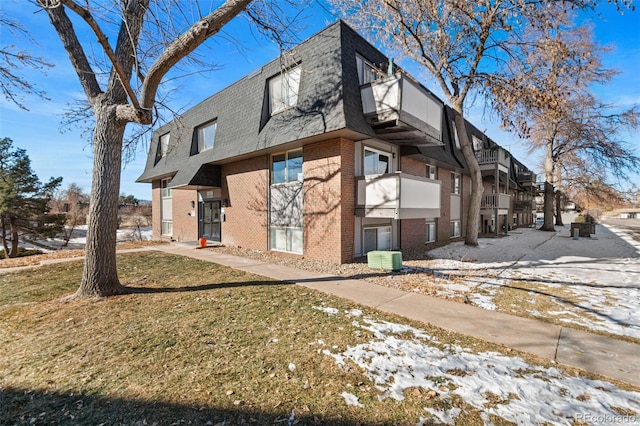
x: 12, y: 60
x: 148, y: 40
x: 545, y: 97
x: 73, y: 203
x: 462, y: 44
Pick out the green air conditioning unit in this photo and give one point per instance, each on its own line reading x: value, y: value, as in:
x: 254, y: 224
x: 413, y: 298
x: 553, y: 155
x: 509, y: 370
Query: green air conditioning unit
x: 387, y: 260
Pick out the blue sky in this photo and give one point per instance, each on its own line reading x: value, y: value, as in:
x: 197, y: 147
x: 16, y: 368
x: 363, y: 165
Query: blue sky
x: 67, y: 153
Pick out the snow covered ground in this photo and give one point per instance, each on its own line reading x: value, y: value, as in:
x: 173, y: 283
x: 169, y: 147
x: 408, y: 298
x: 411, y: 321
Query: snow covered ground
x: 401, y: 357
x: 593, y: 282
x: 78, y: 238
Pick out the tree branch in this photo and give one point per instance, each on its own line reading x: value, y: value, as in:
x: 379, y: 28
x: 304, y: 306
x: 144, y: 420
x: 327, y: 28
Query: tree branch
x: 185, y: 44
x: 102, y: 39
x: 67, y: 34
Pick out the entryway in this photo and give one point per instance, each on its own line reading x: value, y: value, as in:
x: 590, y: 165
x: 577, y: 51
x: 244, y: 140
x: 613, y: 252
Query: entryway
x: 209, y: 220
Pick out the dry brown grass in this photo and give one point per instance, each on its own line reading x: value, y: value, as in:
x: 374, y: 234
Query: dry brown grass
x: 197, y: 343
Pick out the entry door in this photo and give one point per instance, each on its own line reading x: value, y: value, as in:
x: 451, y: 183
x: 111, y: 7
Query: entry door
x: 209, y: 218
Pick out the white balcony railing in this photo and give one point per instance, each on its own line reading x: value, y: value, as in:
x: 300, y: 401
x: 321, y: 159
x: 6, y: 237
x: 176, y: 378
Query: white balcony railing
x: 400, y: 109
x: 489, y: 157
x: 397, y: 196
x: 493, y: 201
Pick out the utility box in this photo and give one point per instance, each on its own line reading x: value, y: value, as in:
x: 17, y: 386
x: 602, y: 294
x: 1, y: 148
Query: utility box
x: 585, y: 229
x: 387, y: 260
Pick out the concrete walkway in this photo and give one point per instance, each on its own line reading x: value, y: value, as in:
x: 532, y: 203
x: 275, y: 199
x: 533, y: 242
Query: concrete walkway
x: 610, y: 357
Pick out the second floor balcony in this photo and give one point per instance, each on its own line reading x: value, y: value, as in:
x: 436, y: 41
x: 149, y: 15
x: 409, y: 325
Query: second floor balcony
x: 492, y: 159
x: 492, y: 201
x: 521, y: 206
x: 526, y: 179
x: 397, y: 196
x: 401, y: 111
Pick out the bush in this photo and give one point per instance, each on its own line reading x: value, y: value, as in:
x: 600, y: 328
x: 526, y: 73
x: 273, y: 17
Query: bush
x: 22, y: 252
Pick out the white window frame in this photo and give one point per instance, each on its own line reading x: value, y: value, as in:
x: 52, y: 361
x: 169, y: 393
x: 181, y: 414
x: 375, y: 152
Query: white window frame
x: 204, y: 130
x: 284, y: 89
x: 456, y: 139
x: 432, y: 172
x: 166, y: 225
x: 165, y: 192
x: 378, y: 153
x: 387, y: 229
x: 456, y: 230
x: 431, y: 232
x: 367, y: 72
x: 164, y: 144
x: 456, y: 183
x: 288, y: 239
x: 477, y: 143
x: 288, y: 174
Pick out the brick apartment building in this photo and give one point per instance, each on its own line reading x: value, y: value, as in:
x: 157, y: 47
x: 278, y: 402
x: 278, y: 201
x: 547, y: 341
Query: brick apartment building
x: 328, y: 152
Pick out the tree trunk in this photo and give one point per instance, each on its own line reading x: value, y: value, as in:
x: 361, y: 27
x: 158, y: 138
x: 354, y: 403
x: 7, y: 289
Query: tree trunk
x: 100, y: 276
x: 5, y: 246
x: 548, y: 188
x: 14, y: 238
x: 473, y: 212
x: 559, y: 208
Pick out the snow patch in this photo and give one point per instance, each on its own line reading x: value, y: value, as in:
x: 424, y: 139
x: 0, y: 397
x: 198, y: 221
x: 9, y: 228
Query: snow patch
x: 400, y: 357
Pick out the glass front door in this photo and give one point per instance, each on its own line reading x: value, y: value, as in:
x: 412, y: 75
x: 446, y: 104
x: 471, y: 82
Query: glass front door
x: 209, y: 218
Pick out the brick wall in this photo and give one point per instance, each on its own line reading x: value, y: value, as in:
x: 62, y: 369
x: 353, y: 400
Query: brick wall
x: 156, y: 210
x: 412, y: 231
x: 347, y: 154
x: 244, y: 185
x: 443, y: 226
x: 466, y: 196
x: 185, y: 225
x: 329, y: 200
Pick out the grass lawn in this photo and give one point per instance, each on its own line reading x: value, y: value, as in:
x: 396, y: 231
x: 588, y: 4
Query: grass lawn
x: 202, y: 344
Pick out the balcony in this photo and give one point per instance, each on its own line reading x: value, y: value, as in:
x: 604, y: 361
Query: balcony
x: 490, y: 159
x: 397, y: 196
x: 402, y: 112
x: 491, y: 202
x: 527, y: 179
x: 521, y: 206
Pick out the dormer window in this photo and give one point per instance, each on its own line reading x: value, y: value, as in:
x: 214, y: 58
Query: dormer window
x: 477, y: 144
x: 164, y: 145
x: 455, y: 134
x: 206, y: 135
x: 283, y: 90
x: 366, y: 71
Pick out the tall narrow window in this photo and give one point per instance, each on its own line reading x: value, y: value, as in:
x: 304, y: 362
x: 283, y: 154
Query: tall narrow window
x: 283, y: 90
x: 206, y: 135
x: 431, y: 172
x: 455, y: 229
x: 431, y: 232
x: 287, y: 167
x: 166, y: 208
x: 164, y: 144
x: 376, y: 162
x: 456, y: 184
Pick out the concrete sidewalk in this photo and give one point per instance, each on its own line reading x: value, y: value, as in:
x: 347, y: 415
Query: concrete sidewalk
x: 610, y: 357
